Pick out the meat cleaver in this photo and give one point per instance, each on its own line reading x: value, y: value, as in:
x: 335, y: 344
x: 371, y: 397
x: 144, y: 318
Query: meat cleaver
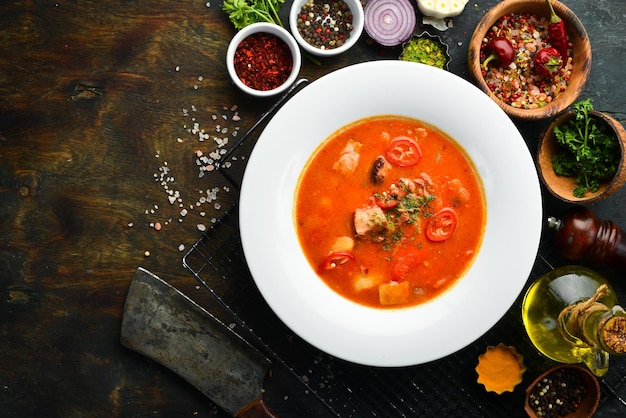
x: 166, y: 326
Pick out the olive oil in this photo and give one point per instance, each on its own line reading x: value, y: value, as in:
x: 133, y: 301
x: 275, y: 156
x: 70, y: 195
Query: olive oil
x: 560, y: 290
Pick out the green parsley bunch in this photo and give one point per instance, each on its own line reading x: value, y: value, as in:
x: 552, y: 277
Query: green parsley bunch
x: 246, y: 12
x: 588, y: 150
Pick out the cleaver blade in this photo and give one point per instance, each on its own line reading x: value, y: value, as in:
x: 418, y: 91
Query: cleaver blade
x: 166, y: 326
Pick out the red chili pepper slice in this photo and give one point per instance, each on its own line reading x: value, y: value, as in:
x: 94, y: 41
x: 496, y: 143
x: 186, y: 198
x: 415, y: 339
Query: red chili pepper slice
x: 385, y: 201
x: 441, y: 225
x: 404, y: 152
x: 335, y: 259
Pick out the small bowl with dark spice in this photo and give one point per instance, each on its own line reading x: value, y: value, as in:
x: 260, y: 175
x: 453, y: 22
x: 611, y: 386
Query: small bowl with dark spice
x: 566, y: 391
x: 426, y: 49
x: 326, y: 27
x: 580, y: 157
x: 263, y: 59
x: 532, y: 62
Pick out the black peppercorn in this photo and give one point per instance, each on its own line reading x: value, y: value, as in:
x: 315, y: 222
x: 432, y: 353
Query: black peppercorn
x: 325, y: 24
x: 558, y: 394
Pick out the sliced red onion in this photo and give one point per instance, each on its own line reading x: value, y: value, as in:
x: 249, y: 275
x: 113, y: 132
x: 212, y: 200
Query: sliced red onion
x: 389, y: 22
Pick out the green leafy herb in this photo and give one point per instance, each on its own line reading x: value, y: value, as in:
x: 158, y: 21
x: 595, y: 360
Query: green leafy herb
x: 588, y: 150
x: 246, y: 12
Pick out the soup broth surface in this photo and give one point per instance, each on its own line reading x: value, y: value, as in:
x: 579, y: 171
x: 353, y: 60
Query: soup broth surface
x: 390, y: 212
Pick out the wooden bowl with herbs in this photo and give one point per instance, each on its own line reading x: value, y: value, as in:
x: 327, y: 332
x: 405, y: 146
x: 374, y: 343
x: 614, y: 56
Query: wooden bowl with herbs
x: 534, y: 74
x: 580, y: 157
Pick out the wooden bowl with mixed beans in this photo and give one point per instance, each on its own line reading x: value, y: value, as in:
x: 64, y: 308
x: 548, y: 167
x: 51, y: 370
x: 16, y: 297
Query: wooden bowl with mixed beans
x: 520, y: 87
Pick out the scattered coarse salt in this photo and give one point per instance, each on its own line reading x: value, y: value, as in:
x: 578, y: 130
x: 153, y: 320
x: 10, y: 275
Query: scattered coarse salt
x: 201, y: 227
x: 181, y: 247
x: 146, y: 253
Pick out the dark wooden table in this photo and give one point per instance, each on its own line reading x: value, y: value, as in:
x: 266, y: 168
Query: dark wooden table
x: 103, y: 109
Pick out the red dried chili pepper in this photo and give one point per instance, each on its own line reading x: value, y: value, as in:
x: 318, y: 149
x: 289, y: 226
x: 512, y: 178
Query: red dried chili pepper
x: 557, y: 34
x: 501, y: 50
x: 547, y: 61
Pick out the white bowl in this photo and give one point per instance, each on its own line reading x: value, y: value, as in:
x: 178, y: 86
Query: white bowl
x: 357, y: 28
x: 403, y: 336
x: 272, y: 29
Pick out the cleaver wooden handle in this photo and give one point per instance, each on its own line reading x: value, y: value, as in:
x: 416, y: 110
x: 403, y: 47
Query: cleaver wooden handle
x: 256, y: 409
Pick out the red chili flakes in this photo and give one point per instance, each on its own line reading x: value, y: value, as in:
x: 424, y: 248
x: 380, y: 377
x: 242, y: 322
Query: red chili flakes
x: 518, y: 85
x: 263, y: 61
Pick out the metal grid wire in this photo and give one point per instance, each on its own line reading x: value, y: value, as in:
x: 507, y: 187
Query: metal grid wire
x: 348, y: 390
x: 446, y: 387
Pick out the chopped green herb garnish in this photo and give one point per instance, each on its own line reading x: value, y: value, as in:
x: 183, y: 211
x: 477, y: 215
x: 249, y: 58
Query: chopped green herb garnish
x: 426, y: 51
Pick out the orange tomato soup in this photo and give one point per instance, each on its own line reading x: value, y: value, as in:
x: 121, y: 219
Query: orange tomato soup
x: 390, y: 212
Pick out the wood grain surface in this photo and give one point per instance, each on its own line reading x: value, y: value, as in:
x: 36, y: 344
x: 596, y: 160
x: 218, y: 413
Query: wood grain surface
x: 104, y: 109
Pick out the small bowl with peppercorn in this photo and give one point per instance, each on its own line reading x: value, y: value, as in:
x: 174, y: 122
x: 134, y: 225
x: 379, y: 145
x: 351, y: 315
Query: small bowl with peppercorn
x: 326, y: 28
x: 580, y: 157
x: 532, y: 57
x: 567, y: 391
x: 263, y: 59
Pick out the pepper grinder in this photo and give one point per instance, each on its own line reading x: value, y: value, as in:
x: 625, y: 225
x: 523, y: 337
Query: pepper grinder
x: 582, y: 235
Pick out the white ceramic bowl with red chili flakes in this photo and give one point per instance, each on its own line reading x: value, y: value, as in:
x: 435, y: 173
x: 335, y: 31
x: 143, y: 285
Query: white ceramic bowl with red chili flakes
x: 254, y: 72
x: 517, y: 88
x: 328, y: 21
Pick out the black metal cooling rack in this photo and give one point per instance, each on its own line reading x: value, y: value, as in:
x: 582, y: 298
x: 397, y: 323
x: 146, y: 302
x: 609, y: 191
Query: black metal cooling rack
x: 446, y: 387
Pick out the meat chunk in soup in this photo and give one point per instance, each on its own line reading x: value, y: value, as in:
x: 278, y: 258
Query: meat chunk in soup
x: 370, y: 222
x: 349, y: 158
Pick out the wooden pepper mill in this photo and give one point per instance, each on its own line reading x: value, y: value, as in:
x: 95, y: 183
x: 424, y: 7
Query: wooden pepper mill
x: 581, y: 235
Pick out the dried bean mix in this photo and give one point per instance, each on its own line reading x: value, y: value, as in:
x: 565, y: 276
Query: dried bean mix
x: 518, y: 84
x: 325, y: 24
